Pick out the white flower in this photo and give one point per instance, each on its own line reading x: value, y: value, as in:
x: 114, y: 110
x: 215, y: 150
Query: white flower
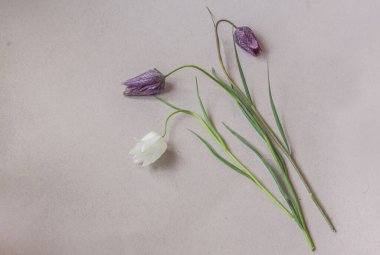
x: 148, y: 149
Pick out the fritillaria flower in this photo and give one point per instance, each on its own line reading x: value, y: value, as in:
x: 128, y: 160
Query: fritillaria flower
x: 148, y: 149
x: 245, y: 38
x: 149, y: 83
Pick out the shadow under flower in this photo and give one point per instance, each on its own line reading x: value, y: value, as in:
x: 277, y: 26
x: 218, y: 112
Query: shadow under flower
x: 167, y: 162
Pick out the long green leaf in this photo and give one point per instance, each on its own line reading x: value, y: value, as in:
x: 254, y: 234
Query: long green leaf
x: 271, y: 170
x: 243, y: 80
x: 278, y: 122
x: 241, y: 105
x: 204, y: 112
x: 217, y: 76
x: 262, y: 158
x: 238, y: 98
x: 218, y: 156
x: 252, y: 121
x: 207, y: 119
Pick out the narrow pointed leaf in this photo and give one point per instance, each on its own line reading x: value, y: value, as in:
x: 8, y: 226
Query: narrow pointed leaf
x: 206, y: 122
x: 271, y: 170
x: 278, y: 122
x: 262, y: 158
x: 206, y: 117
x: 212, y: 15
x: 217, y: 76
x: 242, y: 106
x: 238, y: 98
x: 252, y: 121
x: 218, y: 156
x: 243, y: 80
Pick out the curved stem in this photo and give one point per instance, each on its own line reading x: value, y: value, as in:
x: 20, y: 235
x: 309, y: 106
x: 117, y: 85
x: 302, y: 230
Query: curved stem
x: 192, y: 66
x: 242, y: 97
x: 167, y: 121
x: 195, y: 115
x: 225, y: 20
x: 218, y: 50
x: 241, y: 94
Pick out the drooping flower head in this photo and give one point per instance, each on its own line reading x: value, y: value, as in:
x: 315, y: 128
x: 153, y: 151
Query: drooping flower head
x: 149, y: 83
x: 148, y: 149
x: 245, y: 38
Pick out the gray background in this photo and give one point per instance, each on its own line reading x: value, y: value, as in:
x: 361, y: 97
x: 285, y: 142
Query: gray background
x: 68, y: 185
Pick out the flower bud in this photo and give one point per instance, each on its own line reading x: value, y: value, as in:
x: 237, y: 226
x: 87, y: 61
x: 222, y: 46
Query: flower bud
x: 149, y: 83
x: 245, y: 38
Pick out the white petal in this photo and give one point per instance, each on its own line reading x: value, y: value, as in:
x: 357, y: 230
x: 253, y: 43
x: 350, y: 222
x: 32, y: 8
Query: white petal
x: 155, y: 152
x: 139, y: 158
x: 150, y: 136
x: 148, y: 140
x: 135, y: 149
x: 149, y: 149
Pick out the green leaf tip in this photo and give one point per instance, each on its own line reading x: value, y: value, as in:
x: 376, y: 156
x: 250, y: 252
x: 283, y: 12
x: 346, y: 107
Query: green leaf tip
x: 217, y: 155
x: 275, y: 114
x: 242, y: 76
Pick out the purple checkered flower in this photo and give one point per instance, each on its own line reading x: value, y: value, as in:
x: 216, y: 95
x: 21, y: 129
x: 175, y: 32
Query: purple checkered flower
x: 149, y: 83
x: 245, y: 38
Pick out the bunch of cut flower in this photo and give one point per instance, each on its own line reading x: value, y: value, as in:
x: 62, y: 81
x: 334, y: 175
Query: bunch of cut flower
x: 152, y: 146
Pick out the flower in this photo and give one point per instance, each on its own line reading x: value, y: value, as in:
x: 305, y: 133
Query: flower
x: 148, y: 149
x: 245, y: 38
x: 149, y: 83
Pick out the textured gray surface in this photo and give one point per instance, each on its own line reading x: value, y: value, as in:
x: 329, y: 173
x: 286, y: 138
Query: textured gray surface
x: 67, y: 184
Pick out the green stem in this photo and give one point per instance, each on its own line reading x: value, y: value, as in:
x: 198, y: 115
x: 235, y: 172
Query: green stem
x: 295, y: 166
x: 262, y: 187
x: 224, y: 147
x: 309, y: 240
x: 291, y: 190
x: 296, y: 207
x: 252, y: 177
x: 195, y: 67
x: 274, y: 153
x: 216, y: 137
x: 269, y: 130
x: 241, y: 96
x: 218, y: 50
x: 167, y: 121
x: 233, y: 83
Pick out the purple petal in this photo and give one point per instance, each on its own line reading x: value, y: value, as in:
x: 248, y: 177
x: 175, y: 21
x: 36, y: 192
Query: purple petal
x: 246, y: 39
x: 149, y: 83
